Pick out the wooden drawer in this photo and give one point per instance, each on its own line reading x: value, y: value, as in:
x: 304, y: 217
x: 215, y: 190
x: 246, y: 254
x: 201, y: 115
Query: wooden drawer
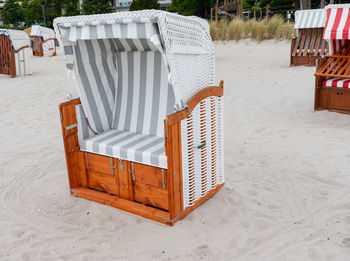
x: 99, y: 163
x: 150, y: 186
x: 149, y: 175
x: 101, y: 173
x: 102, y: 182
x: 150, y: 195
x: 339, y: 99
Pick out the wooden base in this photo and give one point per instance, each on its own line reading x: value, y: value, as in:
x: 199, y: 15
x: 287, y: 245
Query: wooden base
x: 137, y: 208
x: 147, y: 191
x: 332, y: 99
x: 308, y: 60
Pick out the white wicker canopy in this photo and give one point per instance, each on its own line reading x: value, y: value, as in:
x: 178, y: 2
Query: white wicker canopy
x: 44, y: 32
x: 315, y: 18
x: 18, y: 38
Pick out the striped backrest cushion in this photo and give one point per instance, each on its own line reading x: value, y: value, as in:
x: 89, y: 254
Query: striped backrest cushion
x: 97, y: 80
x: 143, y: 95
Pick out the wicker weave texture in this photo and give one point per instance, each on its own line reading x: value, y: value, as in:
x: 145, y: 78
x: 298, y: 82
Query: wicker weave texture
x: 202, y: 150
x: 186, y: 41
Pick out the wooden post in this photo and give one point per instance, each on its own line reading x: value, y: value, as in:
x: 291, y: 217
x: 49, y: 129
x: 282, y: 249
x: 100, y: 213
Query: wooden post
x: 12, y: 65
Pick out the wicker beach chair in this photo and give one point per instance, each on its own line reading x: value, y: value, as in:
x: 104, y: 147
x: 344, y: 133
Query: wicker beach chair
x: 14, y: 53
x: 333, y: 72
x: 43, y: 40
x: 309, y: 45
x: 146, y: 134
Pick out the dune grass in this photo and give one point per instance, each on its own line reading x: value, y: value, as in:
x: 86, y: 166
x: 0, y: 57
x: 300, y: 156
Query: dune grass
x: 274, y: 28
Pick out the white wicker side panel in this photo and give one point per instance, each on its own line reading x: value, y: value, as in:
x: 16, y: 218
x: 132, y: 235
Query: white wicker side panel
x: 22, y: 61
x: 49, y: 48
x: 202, y: 150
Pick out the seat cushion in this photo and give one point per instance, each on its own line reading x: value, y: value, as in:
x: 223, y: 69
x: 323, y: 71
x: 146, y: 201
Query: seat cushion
x: 140, y: 148
x: 336, y: 82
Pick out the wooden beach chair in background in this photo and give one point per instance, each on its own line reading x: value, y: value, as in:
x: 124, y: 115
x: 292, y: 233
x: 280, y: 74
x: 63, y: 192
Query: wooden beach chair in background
x: 332, y: 75
x: 309, y: 44
x: 14, y: 53
x: 146, y: 134
x: 43, y: 40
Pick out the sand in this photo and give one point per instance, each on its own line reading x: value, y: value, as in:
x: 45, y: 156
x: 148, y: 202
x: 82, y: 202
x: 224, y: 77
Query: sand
x: 287, y: 191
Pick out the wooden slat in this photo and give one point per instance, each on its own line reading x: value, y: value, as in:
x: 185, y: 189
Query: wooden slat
x: 125, y: 182
x: 296, y: 45
x: 126, y: 205
x: 318, y: 43
x: 313, y: 41
x: 302, y: 43
x: 307, y: 42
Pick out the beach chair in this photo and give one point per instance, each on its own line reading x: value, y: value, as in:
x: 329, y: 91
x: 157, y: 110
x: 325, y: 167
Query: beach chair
x: 43, y: 40
x: 309, y: 45
x: 332, y: 77
x: 14, y: 53
x: 146, y: 134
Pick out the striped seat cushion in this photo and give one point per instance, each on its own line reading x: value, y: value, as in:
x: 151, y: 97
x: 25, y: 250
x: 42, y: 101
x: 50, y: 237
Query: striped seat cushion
x: 140, y: 148
x: 336, y: 82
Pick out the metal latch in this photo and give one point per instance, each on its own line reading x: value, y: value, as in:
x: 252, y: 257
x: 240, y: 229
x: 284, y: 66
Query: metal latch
x: 163, y: 178
x: 86, y: 161
x: 200, y: 146
x: 132, y: 171
x: 112, y: 167
x: 121, y: 165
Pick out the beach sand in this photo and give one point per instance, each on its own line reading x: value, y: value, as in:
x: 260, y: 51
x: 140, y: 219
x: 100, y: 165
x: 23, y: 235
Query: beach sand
x: 287, y: 191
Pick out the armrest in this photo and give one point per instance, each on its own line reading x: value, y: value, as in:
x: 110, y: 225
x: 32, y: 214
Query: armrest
x: 320, y: 62
x: 203, y: 94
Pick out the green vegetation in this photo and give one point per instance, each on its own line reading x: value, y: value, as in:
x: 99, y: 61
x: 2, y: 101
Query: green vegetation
x: 13, y: 13
x: 143, y: 5
x: 274, y: 28
x: 192, y: 7
x: 97, y: 7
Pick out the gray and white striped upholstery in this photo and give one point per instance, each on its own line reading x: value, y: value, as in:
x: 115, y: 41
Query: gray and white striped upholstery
x: 145, y: 149
x: 84, y: 131
x: 144, y: 97
x: 123, y: 85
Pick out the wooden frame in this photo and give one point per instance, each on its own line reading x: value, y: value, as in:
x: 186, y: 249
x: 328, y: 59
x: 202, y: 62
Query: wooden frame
x: 147, y: 191
x: 307, y: 47
x: 7, y: 56
x: 334, y: 66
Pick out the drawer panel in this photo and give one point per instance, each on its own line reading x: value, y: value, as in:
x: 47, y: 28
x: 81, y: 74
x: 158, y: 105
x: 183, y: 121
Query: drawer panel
x: 102, y: 182
x: 151, y: 195
x: 99, y: 163
x: 339, y: 99
x: 149, y: 175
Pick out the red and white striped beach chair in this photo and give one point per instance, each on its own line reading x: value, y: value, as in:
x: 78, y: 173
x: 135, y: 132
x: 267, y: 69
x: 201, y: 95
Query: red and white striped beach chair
x: 333, y: 72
